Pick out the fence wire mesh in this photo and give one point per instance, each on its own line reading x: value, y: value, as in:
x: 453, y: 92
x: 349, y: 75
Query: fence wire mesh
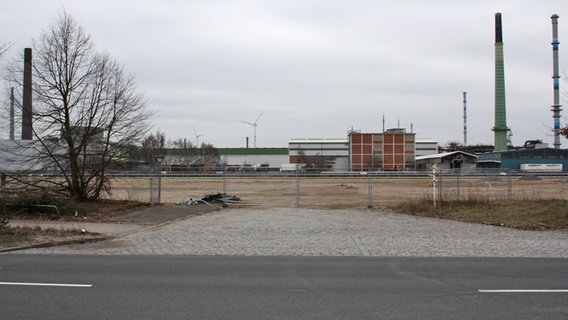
x: 337, y: 191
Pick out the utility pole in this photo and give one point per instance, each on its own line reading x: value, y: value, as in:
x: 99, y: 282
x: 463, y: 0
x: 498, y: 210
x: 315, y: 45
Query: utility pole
x: 464, y: 119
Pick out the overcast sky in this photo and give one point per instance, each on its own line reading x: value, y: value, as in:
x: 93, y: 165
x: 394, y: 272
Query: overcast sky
x: 319, y: 68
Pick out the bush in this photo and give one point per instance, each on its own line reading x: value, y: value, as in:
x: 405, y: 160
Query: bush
x: 32, y: 205
x: 42, y: 205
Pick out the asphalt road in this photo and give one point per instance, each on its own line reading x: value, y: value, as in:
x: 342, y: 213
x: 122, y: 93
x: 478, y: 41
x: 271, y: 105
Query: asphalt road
x: 190, y: 287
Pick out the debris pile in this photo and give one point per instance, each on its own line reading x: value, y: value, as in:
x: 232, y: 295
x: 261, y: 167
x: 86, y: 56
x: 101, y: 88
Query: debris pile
x: 208, y: 199
x: 221, y: 197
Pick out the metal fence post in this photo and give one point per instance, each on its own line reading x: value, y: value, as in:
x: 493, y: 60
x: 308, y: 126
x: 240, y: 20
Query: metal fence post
x: 225, y: 180
x: 510, y: 186
x: 160, y: 187
x: 458, y: 186
x: 435, y: 173
x: 297, y: 186
x: 370, y: 188
x: 440, y: 186
x: 151, y: 187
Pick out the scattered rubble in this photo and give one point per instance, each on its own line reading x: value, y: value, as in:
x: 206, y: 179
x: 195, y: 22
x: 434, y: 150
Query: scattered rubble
x: 208, y: 199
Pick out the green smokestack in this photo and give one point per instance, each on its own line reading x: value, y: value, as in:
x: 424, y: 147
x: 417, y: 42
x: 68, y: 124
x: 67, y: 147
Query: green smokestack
x: 500, y: 129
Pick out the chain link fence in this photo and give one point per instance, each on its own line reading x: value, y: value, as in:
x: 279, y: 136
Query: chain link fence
x: 338, y: 190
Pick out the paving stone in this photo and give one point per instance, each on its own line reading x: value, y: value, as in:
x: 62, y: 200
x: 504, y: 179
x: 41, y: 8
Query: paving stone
x: 307, y: 232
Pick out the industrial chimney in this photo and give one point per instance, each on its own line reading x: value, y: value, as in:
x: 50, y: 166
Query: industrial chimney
x: 27, y: 133
x: 556, y: 107
x: 500, y: 129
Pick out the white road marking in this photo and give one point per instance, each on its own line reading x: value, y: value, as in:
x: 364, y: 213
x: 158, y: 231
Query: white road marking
x: 361, y: 247
x: 37, y: 284
x: 525, y: 291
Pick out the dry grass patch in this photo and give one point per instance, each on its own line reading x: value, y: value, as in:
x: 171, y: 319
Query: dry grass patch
x: 539, y: 214
x: 40, y: 207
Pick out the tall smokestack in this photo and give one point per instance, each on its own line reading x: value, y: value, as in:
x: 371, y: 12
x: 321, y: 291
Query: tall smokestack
x: 500, y: 129
x: 556, y: 107
x: 464, y: 119
x: 27, y: 133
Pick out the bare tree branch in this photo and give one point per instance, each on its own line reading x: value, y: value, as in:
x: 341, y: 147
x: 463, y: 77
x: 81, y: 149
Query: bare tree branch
x: 86, y: 109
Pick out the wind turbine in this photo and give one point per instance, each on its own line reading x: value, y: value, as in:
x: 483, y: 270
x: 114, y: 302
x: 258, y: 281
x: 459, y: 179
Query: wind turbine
x: 254, y: 125
x: 197, y: 138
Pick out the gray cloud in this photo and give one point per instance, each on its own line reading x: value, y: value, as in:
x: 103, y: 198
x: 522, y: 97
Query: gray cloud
x: 317, y: 68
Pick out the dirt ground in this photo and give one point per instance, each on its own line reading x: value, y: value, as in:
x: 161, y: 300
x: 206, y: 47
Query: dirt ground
x: 336, y: 192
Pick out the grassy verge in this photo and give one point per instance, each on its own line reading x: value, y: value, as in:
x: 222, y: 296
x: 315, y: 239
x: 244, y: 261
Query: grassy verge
x: 20, y: 235
x: 29, y: 207
x: 538, y: 214
x: 68, y: 210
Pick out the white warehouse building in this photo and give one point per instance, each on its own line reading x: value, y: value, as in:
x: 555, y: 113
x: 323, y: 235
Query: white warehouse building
x: 425, y: 147
x: 332, y: 152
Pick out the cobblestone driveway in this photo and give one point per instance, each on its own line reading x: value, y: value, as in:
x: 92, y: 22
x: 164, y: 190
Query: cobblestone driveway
x: 305, y: 232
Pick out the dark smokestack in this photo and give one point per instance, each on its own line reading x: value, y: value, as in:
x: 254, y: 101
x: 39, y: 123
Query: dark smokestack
x: 500, y: 129
x: 498, y: 29
x: 27, y: 133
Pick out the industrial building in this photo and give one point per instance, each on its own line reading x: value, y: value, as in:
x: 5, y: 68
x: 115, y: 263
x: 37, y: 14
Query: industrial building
x: 253, y: 158
x: 17, y: 155
x: 330, y: 154
x: 455, y: 160
x: 424, y: 147
x: 515, y: 159
x: 393, y: 150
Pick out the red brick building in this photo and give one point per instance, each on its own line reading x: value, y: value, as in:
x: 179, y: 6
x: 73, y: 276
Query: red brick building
x: 390, y: 151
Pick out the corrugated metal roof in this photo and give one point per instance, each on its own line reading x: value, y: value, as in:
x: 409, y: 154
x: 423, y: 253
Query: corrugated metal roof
x: 443, y: 155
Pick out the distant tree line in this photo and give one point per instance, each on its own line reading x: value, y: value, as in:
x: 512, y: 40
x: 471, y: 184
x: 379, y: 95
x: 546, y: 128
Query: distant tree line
x: 157, y: 152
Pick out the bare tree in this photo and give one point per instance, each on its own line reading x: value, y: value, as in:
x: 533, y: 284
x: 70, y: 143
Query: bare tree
x: 86, y: 108
x: 209, y: 153
x: 5, y: 105
x: 153, y: 146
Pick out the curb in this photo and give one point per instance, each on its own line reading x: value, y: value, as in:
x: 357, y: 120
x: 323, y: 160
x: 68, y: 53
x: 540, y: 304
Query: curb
x: 47, y: 244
